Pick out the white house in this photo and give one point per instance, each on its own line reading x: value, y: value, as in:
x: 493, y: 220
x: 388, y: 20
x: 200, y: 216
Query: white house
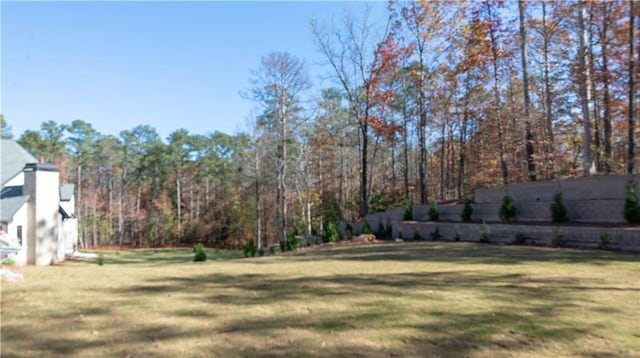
x: 36, y: 213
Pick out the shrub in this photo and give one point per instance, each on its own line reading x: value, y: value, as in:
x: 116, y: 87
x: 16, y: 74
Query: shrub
x: 261, y: 252
x: 558, y: 240
x: 416, y: 235
x: 558, y: 210
x: 8, y: 262
x: 400, y: 234
x: 382, y: 231
x: 485, y: 234
x: 332, y: 233
x: 272, y: 249
x: 292, y: 243
x: 348, y: 231
x: 465, y: 215
x: 435, y: 235
x: 433, y: 211
x: 458, y: 236
x: 201, y: 254
x: 631, y: 208
x: 520, y: 239
x: 366, y: 228
x: 508, y: 208
x: 408, y: 211
x: 100, y: 259
x: 605, y: 241
x: 250, y: 248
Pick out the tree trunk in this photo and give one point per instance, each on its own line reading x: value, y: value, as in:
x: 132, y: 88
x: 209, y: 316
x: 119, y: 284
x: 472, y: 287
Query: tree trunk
x: 632, y: 113
x: 443, y: 155
x: 531, y: 168
x: 497, y: 104
x: 120, y: 207
x: 595, y: 120
x: 607, y: 102
x: 282, y: 171
x: 405, y: 169
x: 463, y: 139
x: 547, y: 95
x: 364, y: 199
x: 257, y: 193
x: 585, y: 89
x: 422, y: 145
x: 81, y: 221
x: 179, y: 203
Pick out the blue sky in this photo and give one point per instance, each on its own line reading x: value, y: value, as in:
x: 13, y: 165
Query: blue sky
x: 167, y: 64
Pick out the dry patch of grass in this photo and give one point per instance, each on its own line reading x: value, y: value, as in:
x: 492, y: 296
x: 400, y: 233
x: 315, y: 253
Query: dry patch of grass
x: 412, y: 299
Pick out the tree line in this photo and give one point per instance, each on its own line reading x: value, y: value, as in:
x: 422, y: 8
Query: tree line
x: 442, y: 98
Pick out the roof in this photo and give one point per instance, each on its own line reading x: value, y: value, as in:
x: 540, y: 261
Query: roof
x: 11, y: 191
x: 66, y: 192
x: 9, y: 206
x: 13, y: 158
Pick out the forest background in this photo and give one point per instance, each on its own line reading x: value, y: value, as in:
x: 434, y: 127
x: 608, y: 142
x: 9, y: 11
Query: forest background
x: 442, y: 98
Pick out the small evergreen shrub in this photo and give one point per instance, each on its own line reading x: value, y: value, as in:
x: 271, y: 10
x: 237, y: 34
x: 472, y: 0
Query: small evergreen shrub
x: 520, y: 239
x: 400, y: 234
x: 366, y: 228
x: 558, y: 210
x: 558, y: 240
x: 458, y: 235
x: 100, y: 259
x: 605, y: 241
x: 435, y: 235
x: 382, y: 231
x: 201, y: 254
x: 272, y: 249
x: 348, y: 231
x: 408, y: 211
x: 261, y: 252
x: 416, y: 235
x: 467, y: 210
x: 433, y: 211
x: 485, y: 235
x: 332, y: 233
x: 508, y: 208
x: 631, y: 208
x: 292, y: 243
x: 250, y: 248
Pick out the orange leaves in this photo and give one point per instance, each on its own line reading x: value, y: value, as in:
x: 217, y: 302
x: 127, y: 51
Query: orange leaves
x: 384, y: 128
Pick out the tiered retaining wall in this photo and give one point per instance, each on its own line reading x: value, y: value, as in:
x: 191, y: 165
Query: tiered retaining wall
x: 592, y: 200
x: 621, y: 238
x: 595, y: 199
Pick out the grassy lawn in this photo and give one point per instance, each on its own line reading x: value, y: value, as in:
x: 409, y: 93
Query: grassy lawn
x: 385, y: 300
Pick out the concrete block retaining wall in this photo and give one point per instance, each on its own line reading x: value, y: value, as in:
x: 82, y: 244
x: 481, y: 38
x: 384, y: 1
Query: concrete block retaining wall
x: 584, y: 188
x: 596, y: 199
x: 374, y: 220
x: 623, y: 238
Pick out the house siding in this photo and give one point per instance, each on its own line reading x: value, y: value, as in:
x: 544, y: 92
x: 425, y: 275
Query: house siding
x: 19, y: 219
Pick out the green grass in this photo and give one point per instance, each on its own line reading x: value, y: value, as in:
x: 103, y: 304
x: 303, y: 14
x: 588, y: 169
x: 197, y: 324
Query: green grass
x: 411, y: 299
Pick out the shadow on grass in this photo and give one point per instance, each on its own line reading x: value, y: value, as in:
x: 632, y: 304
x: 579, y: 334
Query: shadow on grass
x: 503, y: 313
x: 529, y: 311
x: 157, y: 257
x: 463, y: 252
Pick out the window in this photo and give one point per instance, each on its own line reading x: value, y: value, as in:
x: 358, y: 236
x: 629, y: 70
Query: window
x: 19, y: 234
